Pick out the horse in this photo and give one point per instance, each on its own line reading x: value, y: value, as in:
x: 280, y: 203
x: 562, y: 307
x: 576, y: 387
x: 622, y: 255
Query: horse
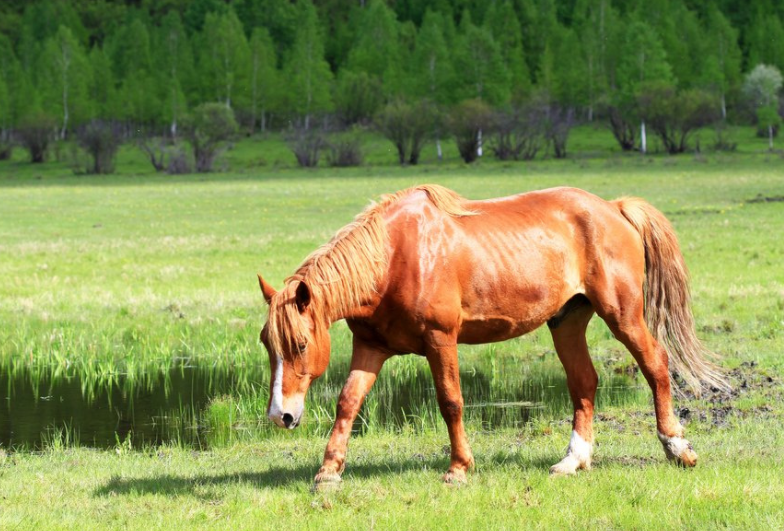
x: 424, y: 269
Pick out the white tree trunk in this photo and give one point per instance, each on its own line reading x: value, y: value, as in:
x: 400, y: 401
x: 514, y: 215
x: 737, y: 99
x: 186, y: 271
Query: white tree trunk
x: 438, y: 149
x: 479, y: 144
x: 643, y: 139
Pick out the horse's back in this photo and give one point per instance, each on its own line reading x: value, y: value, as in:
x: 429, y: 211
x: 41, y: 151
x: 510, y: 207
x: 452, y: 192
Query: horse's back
x: 510, y: 267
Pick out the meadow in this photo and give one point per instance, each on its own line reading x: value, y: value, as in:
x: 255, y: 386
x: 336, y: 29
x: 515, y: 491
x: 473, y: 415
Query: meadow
x: 114, y: 281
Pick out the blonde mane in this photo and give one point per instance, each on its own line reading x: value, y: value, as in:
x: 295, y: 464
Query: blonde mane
x: 344, y: 273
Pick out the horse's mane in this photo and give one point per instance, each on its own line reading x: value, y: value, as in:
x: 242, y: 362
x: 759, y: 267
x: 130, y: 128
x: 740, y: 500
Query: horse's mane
x: 344, y: 272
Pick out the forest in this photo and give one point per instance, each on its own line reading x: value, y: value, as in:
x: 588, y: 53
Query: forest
x: 524, y: 71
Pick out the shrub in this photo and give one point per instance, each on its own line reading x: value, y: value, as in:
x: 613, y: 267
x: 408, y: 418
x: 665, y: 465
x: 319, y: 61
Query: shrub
x: 101, y: 140
x: 559, y: 122
x: 306, y: 144
x: 35, y: 132
x: 466, y: 122
x: 209, y: 127
x: 358, y: 96
x: 408, y: 126
x: 673, y: 115
x: 517, y: 133
x: 345, y: 149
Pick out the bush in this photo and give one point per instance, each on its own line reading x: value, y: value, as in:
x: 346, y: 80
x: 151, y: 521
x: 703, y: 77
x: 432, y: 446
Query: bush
x: 101, y: 140
x: 358, y: 96
x: 559, y: 122
x: 673, y: 115
x: 345, y: 149
x: 408, y: 126
x: 35, y: 132
x: 466, y: 122
x: 208, y: 129
x: 517, y: 133
x: 306, y: 144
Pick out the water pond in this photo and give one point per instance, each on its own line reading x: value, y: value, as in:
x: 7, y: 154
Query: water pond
x: 173, y: 405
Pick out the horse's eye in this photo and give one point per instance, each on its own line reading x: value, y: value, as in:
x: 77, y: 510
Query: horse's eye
x: 301, y: 347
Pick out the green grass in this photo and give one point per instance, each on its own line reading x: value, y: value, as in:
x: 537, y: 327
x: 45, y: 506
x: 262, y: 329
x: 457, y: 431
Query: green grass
x: 137, y: 272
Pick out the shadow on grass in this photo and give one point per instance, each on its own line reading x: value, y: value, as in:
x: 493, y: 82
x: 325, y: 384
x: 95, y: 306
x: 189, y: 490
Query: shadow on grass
x: 281, y: 477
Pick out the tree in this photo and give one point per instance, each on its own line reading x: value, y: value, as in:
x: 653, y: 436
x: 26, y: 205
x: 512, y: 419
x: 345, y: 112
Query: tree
x: 376, y: 49
x: 101, y: 140
x: 208, y: 129
x: 225, y: 59
x: 478, y: 58
x: 722, y: 64
x: 407, y: 126
x: 173, y: 61
x: 502, y: 22
x: 264, y: 82
x: 129, y: 51
x: 358, y: 96
x: 101, y: 90
x: 307, y: 73
x: 466, y: 122
x: 35, y: 132
x: 64, y: 79
x: 673, y: 115
x: 761, y: 90
x: 431, y: 72
x: 765, y: 38
x: 644, y: 61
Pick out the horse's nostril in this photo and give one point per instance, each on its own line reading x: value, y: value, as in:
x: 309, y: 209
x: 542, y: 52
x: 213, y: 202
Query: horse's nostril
x: 288, y: 418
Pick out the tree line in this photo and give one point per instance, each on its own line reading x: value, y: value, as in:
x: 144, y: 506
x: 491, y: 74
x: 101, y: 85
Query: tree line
x: 523, y: 70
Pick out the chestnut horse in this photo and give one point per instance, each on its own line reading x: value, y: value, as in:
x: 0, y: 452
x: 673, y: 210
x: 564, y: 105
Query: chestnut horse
x: 425, y: 269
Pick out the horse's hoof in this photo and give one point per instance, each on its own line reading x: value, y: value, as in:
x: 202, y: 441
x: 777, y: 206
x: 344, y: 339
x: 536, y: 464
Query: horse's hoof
x: 455, y: 478
x: 688, y: 458
x: 327, y: 481
x: 679, y: 450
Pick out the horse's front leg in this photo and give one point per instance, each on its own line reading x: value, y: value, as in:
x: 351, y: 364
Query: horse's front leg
x: 442, y: 356
x: 366, y: 362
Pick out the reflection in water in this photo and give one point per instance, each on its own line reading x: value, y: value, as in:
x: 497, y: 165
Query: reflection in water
x: 173, y: 405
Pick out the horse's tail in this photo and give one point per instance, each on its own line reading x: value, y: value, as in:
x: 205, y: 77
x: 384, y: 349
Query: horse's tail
x: 667, y: 297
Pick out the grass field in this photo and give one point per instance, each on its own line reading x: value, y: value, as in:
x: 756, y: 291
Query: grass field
x: 133, y: 273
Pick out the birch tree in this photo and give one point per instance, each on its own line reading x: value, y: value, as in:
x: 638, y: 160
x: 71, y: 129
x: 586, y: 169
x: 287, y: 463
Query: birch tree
x: 64, y: 79
x: 225, y: 58
x: 264, y: 82
x: 307, y: 72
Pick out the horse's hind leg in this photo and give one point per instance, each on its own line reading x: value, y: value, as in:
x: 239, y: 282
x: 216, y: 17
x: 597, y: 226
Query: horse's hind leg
x: 568, y: 331
x: 626, y: 320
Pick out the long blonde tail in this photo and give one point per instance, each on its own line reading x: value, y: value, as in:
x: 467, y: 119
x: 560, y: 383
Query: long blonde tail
x: 667, y: 297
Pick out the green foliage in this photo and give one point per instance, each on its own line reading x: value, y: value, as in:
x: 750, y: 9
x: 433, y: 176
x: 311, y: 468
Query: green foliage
x: 225, y: 60
x: 35, y: 132
x: 168, y: 56
x: 467, y: 123
x: 408, y: 126
x: 431, y: 72
x: 483, y: 74
x: 673, y: 115
x: 307, y: 73
x: 63, y: 79
x: 377, y: 48
x: 358, y: 96
x: 265, y: 83
x: 208, y: 128
x: 101, y: 140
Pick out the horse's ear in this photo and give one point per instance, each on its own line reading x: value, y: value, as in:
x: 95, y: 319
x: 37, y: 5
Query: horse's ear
x: 267, y: 290
x: 302, y: 296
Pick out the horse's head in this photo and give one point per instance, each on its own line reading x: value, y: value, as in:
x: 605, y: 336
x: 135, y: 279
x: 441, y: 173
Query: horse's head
x: 298, y: 344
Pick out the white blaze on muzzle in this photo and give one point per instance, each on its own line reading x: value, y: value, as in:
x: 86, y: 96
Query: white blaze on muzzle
x: 275, y: 412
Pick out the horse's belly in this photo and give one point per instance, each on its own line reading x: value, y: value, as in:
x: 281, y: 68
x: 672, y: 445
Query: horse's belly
x: 493, y: 328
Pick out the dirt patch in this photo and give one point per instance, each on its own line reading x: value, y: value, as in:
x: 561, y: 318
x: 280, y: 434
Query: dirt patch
x: 766, y: 199
x: 717, y: 406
